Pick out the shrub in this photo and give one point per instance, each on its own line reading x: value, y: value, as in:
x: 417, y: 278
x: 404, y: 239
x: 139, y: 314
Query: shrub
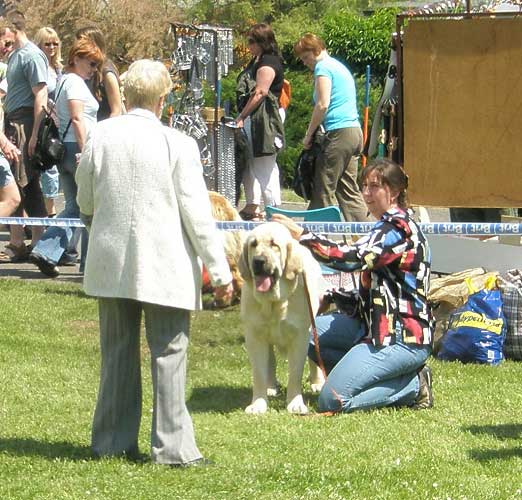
x: 359, y: 41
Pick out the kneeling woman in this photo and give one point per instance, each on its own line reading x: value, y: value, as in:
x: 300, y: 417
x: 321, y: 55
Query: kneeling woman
x: 378, y: 359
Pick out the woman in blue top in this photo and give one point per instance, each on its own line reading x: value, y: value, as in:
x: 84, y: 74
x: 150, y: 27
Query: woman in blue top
x: 335, y: 108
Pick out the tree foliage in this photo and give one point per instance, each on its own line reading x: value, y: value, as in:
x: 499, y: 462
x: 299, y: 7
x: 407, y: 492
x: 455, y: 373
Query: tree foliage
x: 236, y: 14
x: 133, y: 29
x: 359, y: 41
x: 289, y: 18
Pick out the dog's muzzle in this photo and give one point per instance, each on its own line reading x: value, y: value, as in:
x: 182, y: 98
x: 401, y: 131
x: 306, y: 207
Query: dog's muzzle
x: 259, y: 264
x: 265, y: 276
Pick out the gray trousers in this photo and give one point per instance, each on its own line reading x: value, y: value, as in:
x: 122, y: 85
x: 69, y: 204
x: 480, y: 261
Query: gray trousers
x: 118, y: 409
x: 335, y: 179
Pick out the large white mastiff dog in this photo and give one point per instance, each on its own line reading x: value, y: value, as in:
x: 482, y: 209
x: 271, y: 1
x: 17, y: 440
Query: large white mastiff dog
x: 275, y: 312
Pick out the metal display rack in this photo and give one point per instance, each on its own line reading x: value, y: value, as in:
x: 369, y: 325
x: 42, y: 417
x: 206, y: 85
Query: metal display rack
x: 204, y: 53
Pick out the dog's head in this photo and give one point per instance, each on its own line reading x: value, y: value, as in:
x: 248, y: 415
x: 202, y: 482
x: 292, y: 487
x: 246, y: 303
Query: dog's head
x: 270, y: 256
x: 222, y: 209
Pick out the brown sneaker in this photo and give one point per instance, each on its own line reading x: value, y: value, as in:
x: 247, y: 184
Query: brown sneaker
x: 425, y: 397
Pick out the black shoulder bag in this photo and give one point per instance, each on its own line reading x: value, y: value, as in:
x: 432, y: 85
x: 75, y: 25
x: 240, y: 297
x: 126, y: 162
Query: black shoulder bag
x: 304, y: 169
x: 50, y: 149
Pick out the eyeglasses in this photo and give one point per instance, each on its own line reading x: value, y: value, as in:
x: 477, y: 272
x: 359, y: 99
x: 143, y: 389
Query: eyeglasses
x: 8, y: 44
x: 51, y: 44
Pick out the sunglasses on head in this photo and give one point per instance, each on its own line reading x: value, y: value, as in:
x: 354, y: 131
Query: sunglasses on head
x: 51, y: 44
x: 8, y: 44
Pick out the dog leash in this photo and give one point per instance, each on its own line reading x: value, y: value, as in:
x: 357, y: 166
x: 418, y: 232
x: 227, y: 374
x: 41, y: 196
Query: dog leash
x: 313, y: 325
x: 317, y: 350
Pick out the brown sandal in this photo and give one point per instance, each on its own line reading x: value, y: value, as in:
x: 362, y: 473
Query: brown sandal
x: 14, y: 254
x: 252, y: 216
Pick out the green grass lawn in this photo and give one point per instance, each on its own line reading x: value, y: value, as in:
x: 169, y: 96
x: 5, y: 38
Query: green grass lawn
x: 467, y: 447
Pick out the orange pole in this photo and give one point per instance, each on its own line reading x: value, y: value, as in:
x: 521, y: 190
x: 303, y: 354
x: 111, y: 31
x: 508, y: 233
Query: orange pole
x: 366, y: 109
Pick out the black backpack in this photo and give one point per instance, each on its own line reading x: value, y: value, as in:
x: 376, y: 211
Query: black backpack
x: 49, y: 150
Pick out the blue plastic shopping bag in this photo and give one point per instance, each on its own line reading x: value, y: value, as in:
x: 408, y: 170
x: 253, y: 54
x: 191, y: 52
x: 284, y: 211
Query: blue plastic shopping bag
x: 476, y: 330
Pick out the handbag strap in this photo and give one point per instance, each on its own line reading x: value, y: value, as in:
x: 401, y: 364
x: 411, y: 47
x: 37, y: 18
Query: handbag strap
x: 57, y: 95
x: 56, y: 100
x: 66, y: 130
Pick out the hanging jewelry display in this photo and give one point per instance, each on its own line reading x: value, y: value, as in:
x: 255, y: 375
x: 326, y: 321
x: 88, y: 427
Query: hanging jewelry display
x: 204, y: 53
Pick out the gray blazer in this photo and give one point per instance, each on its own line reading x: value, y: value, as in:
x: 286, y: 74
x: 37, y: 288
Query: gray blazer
x: 143, y: 184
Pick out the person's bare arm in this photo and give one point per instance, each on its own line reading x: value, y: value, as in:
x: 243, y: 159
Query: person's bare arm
x: 264, y: 77
x: 323, y: 91
x: 295, y: 230
x: 9, y: 150
x: 112, y: 88
x: 40, y: 101
x: 77, y: 123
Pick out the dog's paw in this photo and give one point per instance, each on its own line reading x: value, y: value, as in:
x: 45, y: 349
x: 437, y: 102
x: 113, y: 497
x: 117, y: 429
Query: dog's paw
x: 297, y: 406
x: 316, y: 377
x: 316, y: 387
x: 257, y: 407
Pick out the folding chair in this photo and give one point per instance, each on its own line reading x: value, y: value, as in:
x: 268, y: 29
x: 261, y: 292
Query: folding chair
x: 326, y: 214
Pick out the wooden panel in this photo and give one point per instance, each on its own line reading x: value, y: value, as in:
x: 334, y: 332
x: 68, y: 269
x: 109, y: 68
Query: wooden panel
x: 463, y: 112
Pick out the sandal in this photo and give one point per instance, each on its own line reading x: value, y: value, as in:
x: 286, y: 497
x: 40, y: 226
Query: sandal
x: 13, y: 254
x: 252, y: 216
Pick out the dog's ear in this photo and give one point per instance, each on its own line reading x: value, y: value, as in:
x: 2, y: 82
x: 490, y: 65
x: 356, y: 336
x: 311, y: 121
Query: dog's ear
x: 242, y: 263
x: 294, y: 261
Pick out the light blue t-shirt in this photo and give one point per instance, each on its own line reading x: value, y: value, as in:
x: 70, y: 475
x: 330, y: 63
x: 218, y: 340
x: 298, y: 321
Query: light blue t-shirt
x: 342, y: 111
x: 73, y: 87
x: 26, y: 68
x: 52, y: 79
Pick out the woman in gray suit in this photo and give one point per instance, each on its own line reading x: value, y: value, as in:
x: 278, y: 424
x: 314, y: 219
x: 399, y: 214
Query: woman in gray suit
x: 141, y: 191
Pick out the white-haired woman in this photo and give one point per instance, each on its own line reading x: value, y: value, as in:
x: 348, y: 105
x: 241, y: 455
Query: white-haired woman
x: 49, y: 42
x: 141, y: 192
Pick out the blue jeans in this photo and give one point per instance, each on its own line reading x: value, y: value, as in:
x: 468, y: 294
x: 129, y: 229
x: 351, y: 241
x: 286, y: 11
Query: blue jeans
x: 56, y: 240
x: 338, y: 333
x: 365, y: 376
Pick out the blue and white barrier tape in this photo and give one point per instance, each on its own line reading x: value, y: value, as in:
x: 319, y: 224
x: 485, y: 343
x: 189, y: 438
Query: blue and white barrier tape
x: 41, y: 221
x: 454, y: 228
